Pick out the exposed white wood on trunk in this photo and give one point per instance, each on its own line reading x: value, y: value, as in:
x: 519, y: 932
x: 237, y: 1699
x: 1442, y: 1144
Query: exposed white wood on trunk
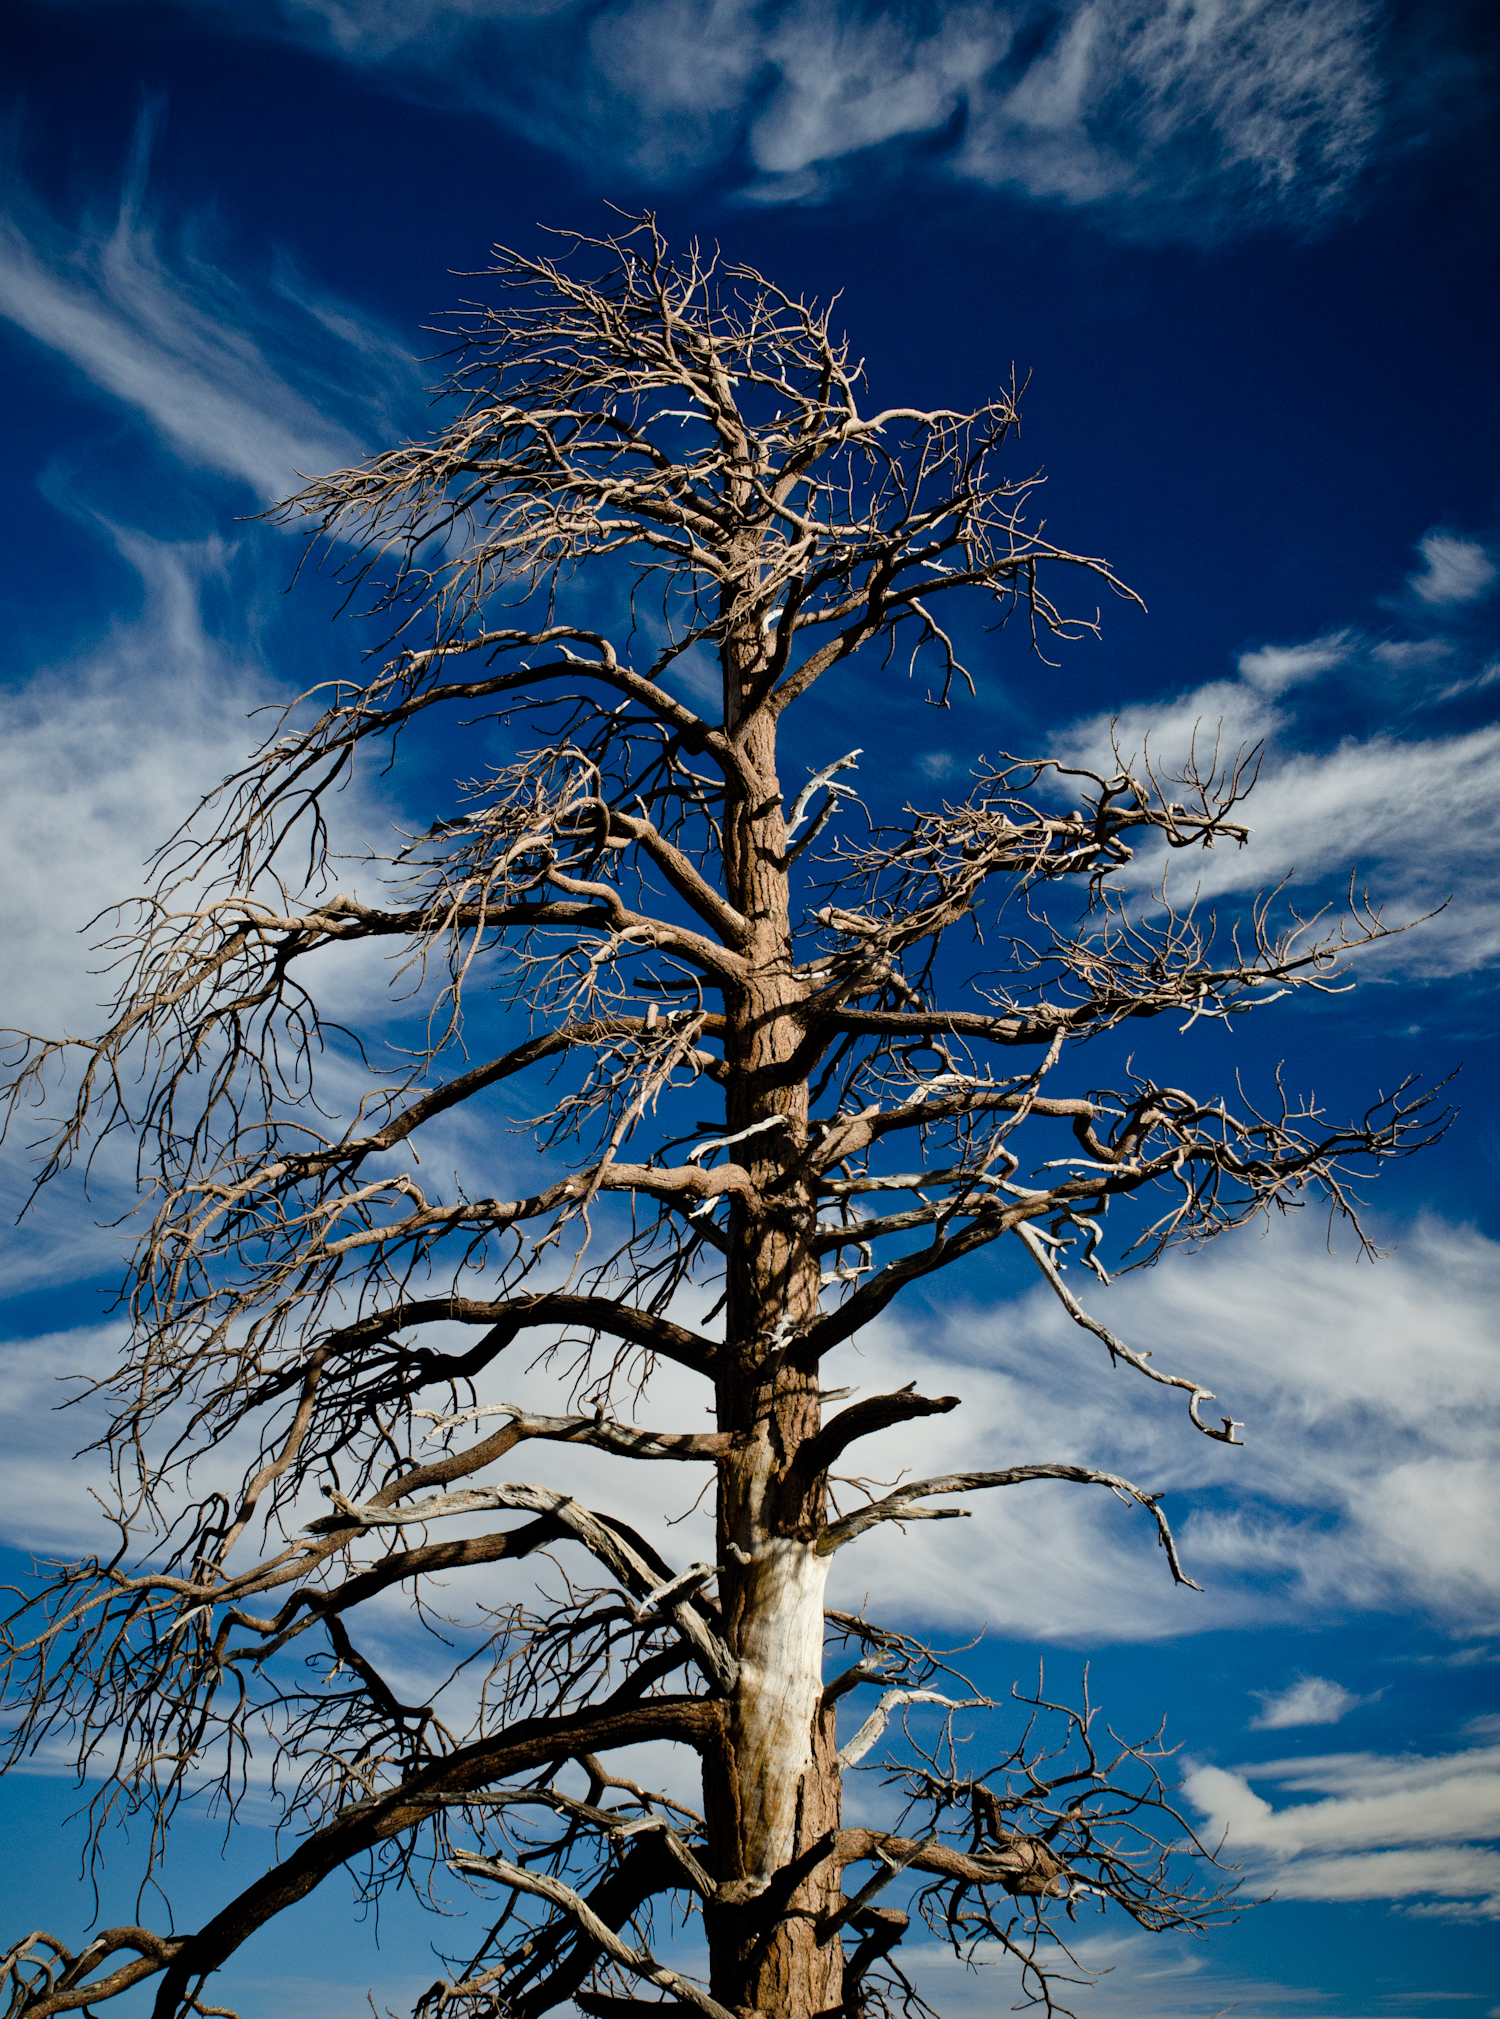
x: 777, y: 1695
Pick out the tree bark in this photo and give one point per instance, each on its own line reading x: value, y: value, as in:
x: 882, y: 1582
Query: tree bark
x: 775, y: 1792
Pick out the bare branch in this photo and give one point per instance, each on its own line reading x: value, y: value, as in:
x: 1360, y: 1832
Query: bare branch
x: 1118, y: 1350
x: 639, y: 1961
x: 903, y: 1505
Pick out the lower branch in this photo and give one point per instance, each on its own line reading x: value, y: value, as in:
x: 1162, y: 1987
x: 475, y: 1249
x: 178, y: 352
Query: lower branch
x: 688, y: 1720
x: 640, y: 1962
x: 44, y: 1976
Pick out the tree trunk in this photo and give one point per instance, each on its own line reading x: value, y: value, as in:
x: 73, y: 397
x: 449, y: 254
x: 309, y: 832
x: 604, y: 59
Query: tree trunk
x: 776, y: 1791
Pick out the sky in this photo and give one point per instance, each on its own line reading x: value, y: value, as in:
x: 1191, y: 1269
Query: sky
x: 1244, y: 253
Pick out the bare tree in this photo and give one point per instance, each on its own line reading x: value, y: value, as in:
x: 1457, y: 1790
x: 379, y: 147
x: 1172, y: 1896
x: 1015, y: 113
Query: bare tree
x: 742, y: 1003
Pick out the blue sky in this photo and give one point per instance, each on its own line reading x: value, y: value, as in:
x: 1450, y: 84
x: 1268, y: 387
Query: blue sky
x: 1246, y: 251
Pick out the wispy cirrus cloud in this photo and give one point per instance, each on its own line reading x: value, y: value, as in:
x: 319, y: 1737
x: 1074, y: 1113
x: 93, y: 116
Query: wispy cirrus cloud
x: 101, y: 755
x: 1166, y: 116
x: 104, y: 753
x: 1370, y: 1399
x: 106, y: 746
x: 1453, y: 571
x: 100, y: 758
x: 1272, y: 669
x: 258, y: 381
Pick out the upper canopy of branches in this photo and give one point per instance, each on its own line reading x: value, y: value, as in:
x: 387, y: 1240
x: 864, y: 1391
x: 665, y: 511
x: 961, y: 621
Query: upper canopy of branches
x: 698, y: 420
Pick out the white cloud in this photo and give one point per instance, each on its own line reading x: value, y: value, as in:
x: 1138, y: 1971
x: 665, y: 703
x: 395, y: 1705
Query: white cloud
x: 256, y: 384
x: 1388, y: 1828
x: 1312, y: 1700
x: 103, y: 753
x: 1454, y: 571
x: 1164, y: 106
x: 1485, y: 677
x: 1469, y: 1875
x: 1273, y: 668
x: 1229, y: 714
x: 1285, y: 99
x: 1419, y: 821
x: 116, y: 319
x: 102, y: 756
x: 847, y: 84
x: 1407, y: 1802
x: 47, y: 1506
x: 1404, y: 654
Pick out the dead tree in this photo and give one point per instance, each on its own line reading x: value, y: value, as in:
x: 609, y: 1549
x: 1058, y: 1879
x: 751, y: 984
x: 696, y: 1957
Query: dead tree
x: 764, y: 1071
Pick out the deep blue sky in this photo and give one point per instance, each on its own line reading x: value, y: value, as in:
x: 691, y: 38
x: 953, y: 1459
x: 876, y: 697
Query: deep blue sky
x: 1247, y: 254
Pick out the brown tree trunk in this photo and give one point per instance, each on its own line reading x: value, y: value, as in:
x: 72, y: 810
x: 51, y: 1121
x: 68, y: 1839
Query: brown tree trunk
x: 775, y: 1793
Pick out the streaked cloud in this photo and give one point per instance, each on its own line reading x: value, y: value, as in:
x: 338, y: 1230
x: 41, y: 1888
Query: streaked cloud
x: 1143, y: 1976
x: 1286, y: 98
x: 1406, y: 1827
x: 1405, y: 653
x: 1417, y: 822
x: 259, y: 381
x: 100, y: 757
x: 118, y: 319
x: 103, y: 752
